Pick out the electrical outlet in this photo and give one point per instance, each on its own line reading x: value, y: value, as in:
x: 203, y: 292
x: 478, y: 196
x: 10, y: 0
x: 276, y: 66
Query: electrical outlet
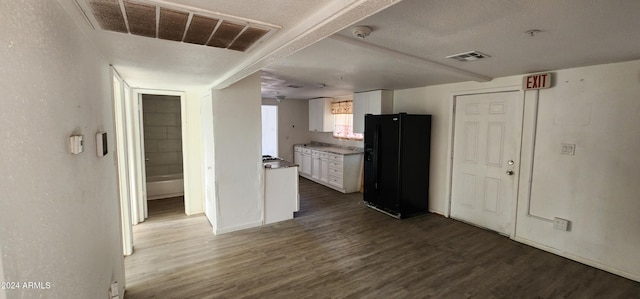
x: 561, y: 224
x: 568, y: 149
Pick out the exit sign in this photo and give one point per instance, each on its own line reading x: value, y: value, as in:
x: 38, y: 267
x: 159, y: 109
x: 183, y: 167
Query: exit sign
x: 537, y: 81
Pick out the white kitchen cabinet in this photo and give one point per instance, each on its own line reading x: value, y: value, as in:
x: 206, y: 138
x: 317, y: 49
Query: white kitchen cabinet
x: 370, y: 102
x: 324, y: 167
x: 297, y: 155
x: 320, y: 117
x: 335, y: 168
x: 316, y: 167
x: 306, y: 162
x: 280, y: 194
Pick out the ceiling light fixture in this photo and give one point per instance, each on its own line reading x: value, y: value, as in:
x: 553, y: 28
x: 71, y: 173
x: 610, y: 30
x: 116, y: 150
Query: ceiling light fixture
x: 280, y: 98
x: 361, y: 31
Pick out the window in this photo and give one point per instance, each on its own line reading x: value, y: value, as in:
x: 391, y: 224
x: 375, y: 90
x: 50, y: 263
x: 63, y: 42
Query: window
x: 343, y: 121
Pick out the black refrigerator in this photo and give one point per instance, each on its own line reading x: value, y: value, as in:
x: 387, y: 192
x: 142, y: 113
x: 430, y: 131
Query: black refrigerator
x: 396, y: 163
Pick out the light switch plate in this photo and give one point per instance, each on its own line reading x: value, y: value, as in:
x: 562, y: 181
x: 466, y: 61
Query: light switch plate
x: 568, y: 149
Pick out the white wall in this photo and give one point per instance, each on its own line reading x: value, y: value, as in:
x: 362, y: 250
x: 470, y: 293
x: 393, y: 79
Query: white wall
x: 237, y: 149
x: 293, y: 125
x: 595, y: 108
x: 3, y: 293
x: 192, y: 149
x: 59, y: 213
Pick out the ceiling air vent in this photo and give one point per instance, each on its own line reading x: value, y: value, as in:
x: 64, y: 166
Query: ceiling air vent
x: 468, y: 56
x: 294, y: 86
x: 156, y: 19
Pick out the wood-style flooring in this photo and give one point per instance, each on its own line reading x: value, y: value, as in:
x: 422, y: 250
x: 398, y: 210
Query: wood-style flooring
x: 336, y: 247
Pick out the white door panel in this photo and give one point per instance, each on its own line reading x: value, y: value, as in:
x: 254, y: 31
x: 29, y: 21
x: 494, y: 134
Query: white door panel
x: 487, y: 135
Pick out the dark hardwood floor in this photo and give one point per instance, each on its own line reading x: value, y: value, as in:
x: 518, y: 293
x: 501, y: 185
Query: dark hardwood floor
x: 336, y: 247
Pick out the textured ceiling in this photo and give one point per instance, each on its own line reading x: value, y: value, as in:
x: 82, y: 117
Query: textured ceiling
x: 407, y: 48
x: 574, y: 33
x: 161, y: 64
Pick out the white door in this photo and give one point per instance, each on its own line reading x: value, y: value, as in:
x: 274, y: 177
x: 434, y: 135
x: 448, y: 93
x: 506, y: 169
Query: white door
x: 485, y: 160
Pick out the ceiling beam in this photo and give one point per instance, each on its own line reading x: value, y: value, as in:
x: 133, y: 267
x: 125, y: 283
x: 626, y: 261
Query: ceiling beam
x: 325, y: 22
x: 409, y: 58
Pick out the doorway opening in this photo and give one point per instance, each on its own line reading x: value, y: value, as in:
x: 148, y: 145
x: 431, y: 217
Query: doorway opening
x: 270, y: 130
x: 163, y: 162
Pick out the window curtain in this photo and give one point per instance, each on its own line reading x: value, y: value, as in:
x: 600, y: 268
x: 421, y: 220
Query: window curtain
x: 342, y: 107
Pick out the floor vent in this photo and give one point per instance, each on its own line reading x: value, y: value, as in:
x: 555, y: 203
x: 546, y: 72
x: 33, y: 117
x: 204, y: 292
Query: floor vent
x: 468, y: 56
x: 149, y: 19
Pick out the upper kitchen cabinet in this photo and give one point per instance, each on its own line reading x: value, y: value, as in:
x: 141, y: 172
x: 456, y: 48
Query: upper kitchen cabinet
x: 320, y: 117
x: 370, y: 102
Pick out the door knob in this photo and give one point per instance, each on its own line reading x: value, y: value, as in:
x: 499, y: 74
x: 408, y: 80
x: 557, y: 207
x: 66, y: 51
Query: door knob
x: 510, y: 172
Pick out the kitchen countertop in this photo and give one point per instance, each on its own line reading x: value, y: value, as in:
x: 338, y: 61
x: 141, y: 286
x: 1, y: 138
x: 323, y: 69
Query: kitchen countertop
x: 332, y: 149
x: 278, y: 164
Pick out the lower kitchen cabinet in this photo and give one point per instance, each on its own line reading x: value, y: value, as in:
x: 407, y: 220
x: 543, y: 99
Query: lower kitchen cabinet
x: 306, y: 162
x: 316, y: 166
x: 297, y: 155
x: 324, y: 167
x: 342, y: 172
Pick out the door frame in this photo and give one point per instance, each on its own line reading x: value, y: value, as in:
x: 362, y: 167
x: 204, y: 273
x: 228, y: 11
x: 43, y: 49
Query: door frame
x: 450, y: 146
x: 122, y: 159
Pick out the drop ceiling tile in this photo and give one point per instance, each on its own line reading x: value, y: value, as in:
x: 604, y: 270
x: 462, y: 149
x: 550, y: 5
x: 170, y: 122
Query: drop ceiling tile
x: 225, y: 34
x: 247, y: 38
x: 142, y: 19
x: 200, y: 30
x: 172, y: 24
x: 108, y: 15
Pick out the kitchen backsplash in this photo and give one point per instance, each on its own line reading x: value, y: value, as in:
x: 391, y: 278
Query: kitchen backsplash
x: 328, y: 138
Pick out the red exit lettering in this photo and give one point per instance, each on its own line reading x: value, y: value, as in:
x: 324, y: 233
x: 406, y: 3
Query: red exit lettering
x: 537, y: 81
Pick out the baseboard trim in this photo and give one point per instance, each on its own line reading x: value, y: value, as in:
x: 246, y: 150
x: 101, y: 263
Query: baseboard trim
x: 578, y: 259
x: 225, y: 230
x: 167, y: 195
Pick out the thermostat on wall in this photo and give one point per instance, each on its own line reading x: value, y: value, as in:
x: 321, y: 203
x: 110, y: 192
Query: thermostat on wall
x: 101, y: 144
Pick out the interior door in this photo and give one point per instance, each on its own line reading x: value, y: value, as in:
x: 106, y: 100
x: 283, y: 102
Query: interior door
x: 485, y: 166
